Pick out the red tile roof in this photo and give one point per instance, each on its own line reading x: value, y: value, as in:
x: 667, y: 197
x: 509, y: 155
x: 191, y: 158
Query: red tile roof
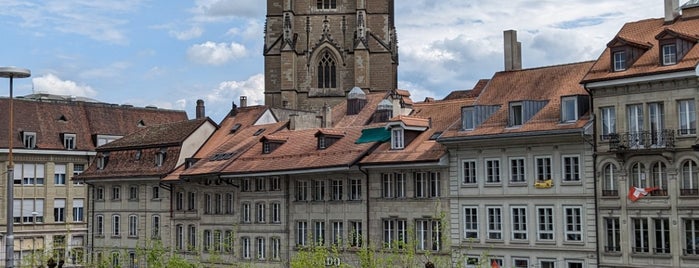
x: 645, y: 32
x: 159, y: 135
x: 459, y: 94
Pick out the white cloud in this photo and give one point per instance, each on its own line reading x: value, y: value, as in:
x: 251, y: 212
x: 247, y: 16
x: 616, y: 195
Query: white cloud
x: 213, y: 10
x: 191, y: 33
x: 52, y: 84
x: 228, y: 91
x: 250, y: 31
x: 216, y: 53
x: 110, y: 71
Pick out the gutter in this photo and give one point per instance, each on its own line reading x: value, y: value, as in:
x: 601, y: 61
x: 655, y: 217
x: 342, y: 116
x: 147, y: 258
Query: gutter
x: 510, y: 135
x: 622, y: 81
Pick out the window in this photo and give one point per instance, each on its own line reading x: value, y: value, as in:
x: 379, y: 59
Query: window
x: 116, y: 221
x: 469, y: 167
x: 99, y: 193
x: 427, y: 184
x: 543, y: 168
x: 228, y: 241
x: 276, y: 213
x: 245, y: 185
x: 659, y: 179
x: 319, y: 232
x: 99, y: 225
x: 155, y: 227
x: 638, y: 175
x: 133, y: 226
x: 355, y: 235
x: 494, y: 223
x: 472, y: 262
x: 59, y: 206
x: 318, y: 190
x: 662, y: 235
x: 520, y: 262
x: 301, y: 233
x: 275, y: 247
x: 327, y: 4
x: 266, y: 147
x: 613, y: 235
x: 519, y: 223
x: 229, y: 203
x: 691, y: 236
x: 192, y: 201
x: 610, y: 187
x: 569, y: 109
x: 29, y: 174
x: 245, y: 213
x: 687, y: 117
x: 634, y: 114
x: 260, y: 184
x: 208, y: 208
x: 207, y: 240
x: 337, y: 234
x: 115, y: 259
x: 575, y: 264
x: 608, y: 122
x: 261, y: 213
x: 469, y: 120
x: 192, y: 240
x: 302, y: 189
x: 336, y: 188
x: 640, y: 235
x: 355, y: 189
x: 160, y: 158
x: 394, y: 233
x: 669, y: 54
x: 69, y: 141
x: 571, y: 168
x: 689, y: 179
x: 78, y: 210
x: 471, y: 222
x: 261, y: 249
x: 77, y: 170
x: 102, y: 160
x: 218, y: 243
x: 544, y: 222
x: 397, y: 139
x: 133, y: 192
x: 492, y: 169
x: 245, y: 242
x: 327, y: 70
x: 393, y: 185
x: 573, y: 223
x: 155, y: 192
x: 28, y: 210
x: 656, y: 121
x: 179, y: 237
x: 116, y: 193
x: 29, y: 139
x: 517, y: 170
x: 428, y: 234
x: 59, y: 175
x: 619, y: 61
x: 516, y: 115
x: 179, y: 202
x: 218, y: 203
x: 274, y: 184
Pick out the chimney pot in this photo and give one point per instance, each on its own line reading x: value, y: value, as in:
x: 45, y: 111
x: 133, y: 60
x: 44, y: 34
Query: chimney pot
x: 243, y: 101
x: 201, y: 111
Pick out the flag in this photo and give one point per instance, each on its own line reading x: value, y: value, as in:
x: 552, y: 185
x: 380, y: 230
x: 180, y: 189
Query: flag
x: 494, y: 264
x: 636, y: 193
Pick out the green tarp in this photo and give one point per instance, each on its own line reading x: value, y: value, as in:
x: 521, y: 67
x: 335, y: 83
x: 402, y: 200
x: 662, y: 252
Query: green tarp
x: 379, y: 134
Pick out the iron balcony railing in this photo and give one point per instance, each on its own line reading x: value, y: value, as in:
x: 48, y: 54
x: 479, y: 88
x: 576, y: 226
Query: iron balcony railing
x: 642, y: 140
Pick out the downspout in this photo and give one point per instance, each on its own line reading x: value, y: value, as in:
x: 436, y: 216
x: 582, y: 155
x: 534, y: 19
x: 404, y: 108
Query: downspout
x: 368, y: 198
x: 91, y: 203
x: 594, y: 171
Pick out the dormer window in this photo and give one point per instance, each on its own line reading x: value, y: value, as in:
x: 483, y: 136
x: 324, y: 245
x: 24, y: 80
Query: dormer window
x: 102, y: 161
x: 69, y: 141
x: 160, y: 158
x: 270, y: 143
x: 29, y: 139
x: 569, y: 108
x: 669, y: 54
x: 327, y: 4
x: 516, y: 115
x: 321, y: 142
x: 327, y: 138
x: 619, y: 61
x: 397, y: 139
x: 469, y: 120
x: 266, y: 147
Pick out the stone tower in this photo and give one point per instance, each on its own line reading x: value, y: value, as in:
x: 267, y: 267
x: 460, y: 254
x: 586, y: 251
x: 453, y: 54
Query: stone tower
x: 316, y: 51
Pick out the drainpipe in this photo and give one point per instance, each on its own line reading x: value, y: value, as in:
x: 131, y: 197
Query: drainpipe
x: 91, y: 203
x: 594, y: 171
x: 368, y: 211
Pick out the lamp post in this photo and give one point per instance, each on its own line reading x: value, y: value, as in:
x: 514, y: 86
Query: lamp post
x: 12, y: 73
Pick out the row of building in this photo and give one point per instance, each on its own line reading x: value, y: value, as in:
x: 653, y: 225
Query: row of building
x: 589, y: 164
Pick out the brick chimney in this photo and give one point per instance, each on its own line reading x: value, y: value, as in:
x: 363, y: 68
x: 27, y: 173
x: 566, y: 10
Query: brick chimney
x: 243, y: 101
x: 513, y: 51
x: 201, y: 112
x: 672, y: 10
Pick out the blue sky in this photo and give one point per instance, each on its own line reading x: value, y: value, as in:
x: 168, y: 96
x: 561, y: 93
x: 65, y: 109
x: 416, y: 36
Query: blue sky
x: 171, y: 53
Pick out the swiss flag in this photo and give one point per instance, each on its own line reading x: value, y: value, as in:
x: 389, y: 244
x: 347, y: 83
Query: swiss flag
x: 494, y: 264
x: 636, y: 193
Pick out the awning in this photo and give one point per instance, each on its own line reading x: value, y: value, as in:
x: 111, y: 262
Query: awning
x: 379, y: 134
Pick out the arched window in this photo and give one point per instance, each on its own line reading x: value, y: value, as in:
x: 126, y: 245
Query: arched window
x: 327, y: 71
x: 689, y: 178
x: 611, y: 187
x: 638, y: 176
x: 659, y: 178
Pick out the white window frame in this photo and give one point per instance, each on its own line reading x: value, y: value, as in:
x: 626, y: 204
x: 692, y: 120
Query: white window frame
x: 640, y: 244
x: 261, y: 213
x: 116, y: 222
x: 29, y: 139
x: 495, y: 223
x: 133, y: 226
x: 566, y: 102
x: 99, y: 224
x: 275, y: 247
x: 469, y: 172
x: 261, y: 248
x: 544, y: 169
x: 319, y: 233
x: 397, y: 138
x: 469, y: 119
x: 337, y: 233
x: 59, y: 208
x: 573, y: 222
x: 276, y: 212
x: 492, y: 171
x: 687, y: 117
x: 336, y: 190
x: 669, y: 54
x: 518, y: 217
x: 518, y: 259
x: 608, y: 123
x: 518, y: 170
x: 355, y: 234
x: 59, y: 174
x: 549, y: 224
x: 355, y: 189
x: 78, y: 210
x: 471, y: 222
x: 245, y: 212
x: 619, y: 61
x: 245, y: 247
x: 572, y: 172
x: 301, y: 233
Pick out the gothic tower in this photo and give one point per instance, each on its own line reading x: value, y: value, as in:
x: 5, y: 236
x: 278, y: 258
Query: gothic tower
x: 316, y: 51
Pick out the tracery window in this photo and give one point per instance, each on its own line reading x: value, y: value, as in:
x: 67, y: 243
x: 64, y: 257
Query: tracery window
x: 327, y: 71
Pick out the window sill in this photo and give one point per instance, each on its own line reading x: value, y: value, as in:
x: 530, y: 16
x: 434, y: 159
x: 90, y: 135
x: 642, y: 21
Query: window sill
x: 574, y: 243
x: 613, y: 254
x: 493, y: 184
x: 545, y: 242
x: 469, y: 185
x: 517, y: 184
x: 571, y: 183
x: 519, y: 241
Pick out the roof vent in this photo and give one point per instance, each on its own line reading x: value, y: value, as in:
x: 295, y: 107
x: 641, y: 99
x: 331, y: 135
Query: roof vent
x: 384, y: 111
x: 356, y: 99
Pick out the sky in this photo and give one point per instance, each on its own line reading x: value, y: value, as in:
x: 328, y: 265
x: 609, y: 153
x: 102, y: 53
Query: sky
x: 170, y: 53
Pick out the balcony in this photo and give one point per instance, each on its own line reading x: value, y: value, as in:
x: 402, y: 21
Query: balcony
x: 643, y: 140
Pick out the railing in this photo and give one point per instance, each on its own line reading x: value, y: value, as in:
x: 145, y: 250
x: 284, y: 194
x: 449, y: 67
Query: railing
x: 610, y: 192
x: 658, y: 192
x: 642, y: 140
x: 612, y: 248
x: 689, y: 191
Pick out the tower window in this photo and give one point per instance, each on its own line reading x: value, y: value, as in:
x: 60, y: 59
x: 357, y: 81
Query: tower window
x: 327, y: 4
x: 327, y: 75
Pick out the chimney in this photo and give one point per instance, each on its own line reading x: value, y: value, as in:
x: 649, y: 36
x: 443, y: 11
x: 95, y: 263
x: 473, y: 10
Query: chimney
x: 234, y: 109
x: 243, y: 101
x: 397, y: 107
x: 513, y: 51
x: 293, y: 121
x: 201, y: 112
x: 327, y: 116
x: 672, y: 10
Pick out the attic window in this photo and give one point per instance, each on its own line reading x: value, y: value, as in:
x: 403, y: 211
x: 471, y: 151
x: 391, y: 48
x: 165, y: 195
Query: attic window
x: 160, y: 157
x: 29, y: 139
x: 222, y: 156
x: 63, y: 118
x: 619, y: 61
x: 258, y: 132
x: 102, y: 161
x: 469, y: 119
x: 266, y: 147
x: 516, y: 115
x: 69, y: 141
x: 569, y: 108
x: 435, y: 136
x: 321, y: 142
x: 669, y: 54
x: 141, y: 123
x: 397, y: 139
x: 138, y: 154
x: 235, y: 128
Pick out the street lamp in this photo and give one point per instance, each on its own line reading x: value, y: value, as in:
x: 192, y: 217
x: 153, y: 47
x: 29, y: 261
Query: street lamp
x: 12, y: 73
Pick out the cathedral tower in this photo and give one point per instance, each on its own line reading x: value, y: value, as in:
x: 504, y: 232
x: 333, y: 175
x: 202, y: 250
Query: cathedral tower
x: 316, y: 51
